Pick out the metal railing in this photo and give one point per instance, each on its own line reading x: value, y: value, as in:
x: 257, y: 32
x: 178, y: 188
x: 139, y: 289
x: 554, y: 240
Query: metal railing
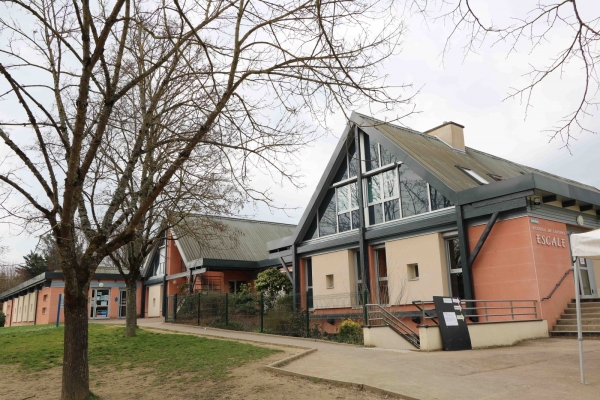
x: 513, y: 310
x: 378, y: 316
x: 558, y: 284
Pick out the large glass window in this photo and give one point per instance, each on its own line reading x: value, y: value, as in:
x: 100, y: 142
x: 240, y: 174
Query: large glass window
x: 309, y: 281
x: 349, y: 167
x: 376, y: 155
x: 457, y: 288
x: 382, y: 277
x: 347, y: 207
x: 438, y: 201
x: 328, y: 215
x: 413, y: 193
x: 382, y: 194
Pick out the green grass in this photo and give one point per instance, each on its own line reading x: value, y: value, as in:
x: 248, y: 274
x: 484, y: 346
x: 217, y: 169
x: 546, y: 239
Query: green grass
x: 166, y: 354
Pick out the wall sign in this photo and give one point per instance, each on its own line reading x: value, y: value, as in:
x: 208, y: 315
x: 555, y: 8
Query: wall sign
x: 550, y: 237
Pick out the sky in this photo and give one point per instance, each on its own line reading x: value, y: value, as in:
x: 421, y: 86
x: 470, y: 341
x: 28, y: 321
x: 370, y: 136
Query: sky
x: 467, y: 90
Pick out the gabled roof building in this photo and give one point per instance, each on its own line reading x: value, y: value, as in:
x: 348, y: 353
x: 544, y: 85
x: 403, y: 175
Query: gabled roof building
x: 405, y: 215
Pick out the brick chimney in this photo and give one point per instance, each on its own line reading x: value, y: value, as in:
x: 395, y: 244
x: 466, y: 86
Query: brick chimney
x: 451, y: 133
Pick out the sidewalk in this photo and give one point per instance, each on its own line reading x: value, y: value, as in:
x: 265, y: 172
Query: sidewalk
x: 536, y: 369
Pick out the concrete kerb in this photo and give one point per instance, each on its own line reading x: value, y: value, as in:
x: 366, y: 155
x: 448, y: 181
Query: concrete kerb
x: 360, y: 386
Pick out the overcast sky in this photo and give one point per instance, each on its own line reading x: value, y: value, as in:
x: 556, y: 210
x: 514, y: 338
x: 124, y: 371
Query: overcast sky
x: 467, y: 91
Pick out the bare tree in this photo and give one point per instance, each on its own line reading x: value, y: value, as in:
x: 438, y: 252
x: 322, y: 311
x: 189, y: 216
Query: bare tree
x: 262, y: 74
x: 525, y: 33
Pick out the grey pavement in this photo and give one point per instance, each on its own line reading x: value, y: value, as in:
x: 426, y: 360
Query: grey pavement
x: 535, y: 369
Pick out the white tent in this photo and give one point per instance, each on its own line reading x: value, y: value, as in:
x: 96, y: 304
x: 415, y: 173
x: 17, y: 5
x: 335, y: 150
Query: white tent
x: 583, y: 245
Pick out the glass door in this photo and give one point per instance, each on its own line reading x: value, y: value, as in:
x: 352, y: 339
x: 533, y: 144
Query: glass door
x: 587, y: 281
x: 382, y: 277
x: 455, y: 272
x: 122, y: 303
x: 99, y: 303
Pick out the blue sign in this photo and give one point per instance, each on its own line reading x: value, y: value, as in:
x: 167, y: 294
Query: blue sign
x: 116, y: 299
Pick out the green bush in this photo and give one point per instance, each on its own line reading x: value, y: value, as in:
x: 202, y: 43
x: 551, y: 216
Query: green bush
x: 2, y: 319
x: 350, y: 332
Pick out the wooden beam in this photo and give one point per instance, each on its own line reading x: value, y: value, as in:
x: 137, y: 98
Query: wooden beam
x: 548, y: 199
x: 569, y: 203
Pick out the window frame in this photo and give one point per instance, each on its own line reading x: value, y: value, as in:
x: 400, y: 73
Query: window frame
x: 350, y: 209
x: 382, y: 198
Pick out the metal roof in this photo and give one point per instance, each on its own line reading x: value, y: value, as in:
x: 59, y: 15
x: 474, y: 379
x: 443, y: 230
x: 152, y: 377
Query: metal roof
x: 224, y: 238
x: 441, y: 160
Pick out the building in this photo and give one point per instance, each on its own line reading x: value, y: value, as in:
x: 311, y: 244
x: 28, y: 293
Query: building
x: 215, y: 254
x: 406, y: 215
x: 36, y: 301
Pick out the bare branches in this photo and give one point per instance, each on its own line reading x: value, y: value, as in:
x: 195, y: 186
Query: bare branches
x: 535, y: 29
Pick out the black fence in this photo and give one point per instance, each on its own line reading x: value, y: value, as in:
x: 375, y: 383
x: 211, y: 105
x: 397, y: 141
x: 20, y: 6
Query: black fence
x: 253, y: 312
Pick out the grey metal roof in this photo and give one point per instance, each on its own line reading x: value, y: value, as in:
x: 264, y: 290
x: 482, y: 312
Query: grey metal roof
x: 223, y: 238
x: 441, y: 159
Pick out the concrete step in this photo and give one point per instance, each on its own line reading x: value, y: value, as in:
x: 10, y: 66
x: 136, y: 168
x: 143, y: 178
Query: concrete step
x: 573, y: 333
x: 584, y: 321
x: 571, y: 327
x: 591, y: 304
x: 588, y: 310
x: 574, y: 315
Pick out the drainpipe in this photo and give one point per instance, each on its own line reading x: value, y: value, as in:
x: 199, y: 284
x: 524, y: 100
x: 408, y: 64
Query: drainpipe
x: 364, y: 256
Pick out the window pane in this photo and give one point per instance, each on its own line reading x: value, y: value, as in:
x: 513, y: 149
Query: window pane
x: 342, y: 198
x: 371, y: 154
x: 309, y: 272
x: 353, y: 195
x: 381, y: 263
x: 375, y: 214
x: 344, y: 222
x: 438, y: 201
x: 342, y: 172
x: 413, y: 193
x: 312, y: 230
x: 328, y: 215
x: 392, y: 210
x: 454, y: 254
x: 353, y: 167
x: 390, y: 187
x: 355, y: 219
x: 374, y: 188
x: 387, y: 157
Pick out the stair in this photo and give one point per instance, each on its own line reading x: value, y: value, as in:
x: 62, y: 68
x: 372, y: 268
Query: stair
x: 590, y: 319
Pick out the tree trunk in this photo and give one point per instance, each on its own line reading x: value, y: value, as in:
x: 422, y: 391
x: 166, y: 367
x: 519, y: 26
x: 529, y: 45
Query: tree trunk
x: 131, y: 309
x: 75, y: 373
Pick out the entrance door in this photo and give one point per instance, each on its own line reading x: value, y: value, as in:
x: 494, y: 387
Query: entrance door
x: 122, y: 303
x: 455, y: 272
x: 587, y: 281
x: 99, y: 303
x: 382, y: 277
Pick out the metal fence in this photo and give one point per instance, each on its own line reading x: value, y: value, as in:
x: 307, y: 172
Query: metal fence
x: 253, y: 312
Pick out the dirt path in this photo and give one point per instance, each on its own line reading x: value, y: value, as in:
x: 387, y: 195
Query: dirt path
x: 248, y: 382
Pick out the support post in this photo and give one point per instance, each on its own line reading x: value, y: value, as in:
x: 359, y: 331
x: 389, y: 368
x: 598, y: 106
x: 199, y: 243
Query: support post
x: 57, y: 312
x: 262, y: 311
x: 482, y: 239
x: 287, y: 271
x: 226, y: 309
x: 164, y: 293
x: 578, y: 310
x: 362, y: 246
x: 174, y: 307
x: 463, y: 243
x: 365, y: 311
x: 198, y: 316
x: 191, y: 282
x: 307, y: 316
x: 295, y: 278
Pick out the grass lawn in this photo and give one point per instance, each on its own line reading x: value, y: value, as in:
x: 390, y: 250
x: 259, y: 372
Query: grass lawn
x: 41, y: 347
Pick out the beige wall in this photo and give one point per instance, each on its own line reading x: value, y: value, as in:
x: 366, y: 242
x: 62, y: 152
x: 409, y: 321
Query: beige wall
x: 154, y: 300
x: 15, y: 310
x: 428, y: 251
x: 384, y: 337
x: 340, y: 264
x: 488, y: 335
x: 31, y: 309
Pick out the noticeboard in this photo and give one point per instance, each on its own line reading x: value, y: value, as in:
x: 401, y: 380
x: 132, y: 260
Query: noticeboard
x: 453, y: 325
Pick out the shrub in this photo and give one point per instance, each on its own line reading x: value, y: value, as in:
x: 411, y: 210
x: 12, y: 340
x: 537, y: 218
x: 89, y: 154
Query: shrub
x: 2, y: 319
x: 350, y: 332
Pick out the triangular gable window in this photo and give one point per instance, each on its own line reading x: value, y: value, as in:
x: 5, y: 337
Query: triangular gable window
x: 376, y: 155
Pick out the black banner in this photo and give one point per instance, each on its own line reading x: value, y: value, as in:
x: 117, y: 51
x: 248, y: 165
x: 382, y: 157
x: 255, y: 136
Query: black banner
x: 453, y: 324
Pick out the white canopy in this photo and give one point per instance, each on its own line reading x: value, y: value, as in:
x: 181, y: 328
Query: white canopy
x: 586, y: 245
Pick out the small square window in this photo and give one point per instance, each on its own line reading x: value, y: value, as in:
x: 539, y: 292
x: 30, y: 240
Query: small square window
x: 329, y: 281
x: 153, y: 302
x: 413, y: 272
x: 45, y: 297
x: 44, y: 311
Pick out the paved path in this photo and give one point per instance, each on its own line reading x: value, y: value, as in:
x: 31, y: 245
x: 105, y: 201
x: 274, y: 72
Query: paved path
x: 535, y: 369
